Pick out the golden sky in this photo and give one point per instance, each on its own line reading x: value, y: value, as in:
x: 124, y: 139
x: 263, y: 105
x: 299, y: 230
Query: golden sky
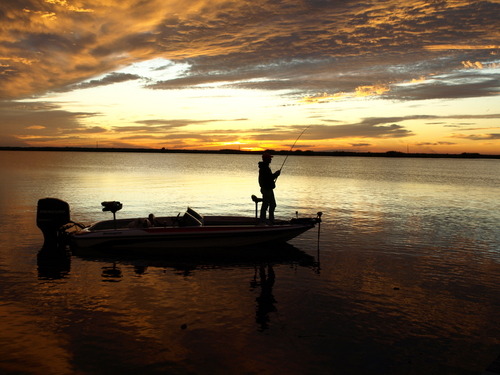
x: 372, y: 76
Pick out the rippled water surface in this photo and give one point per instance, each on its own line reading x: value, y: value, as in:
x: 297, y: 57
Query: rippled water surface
x: 406, y: 279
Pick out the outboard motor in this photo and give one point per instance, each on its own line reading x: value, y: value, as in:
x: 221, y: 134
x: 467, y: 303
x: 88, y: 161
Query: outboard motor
x: 52, y: 214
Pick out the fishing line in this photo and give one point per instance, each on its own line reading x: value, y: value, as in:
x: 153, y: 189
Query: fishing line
x: 288, y: 154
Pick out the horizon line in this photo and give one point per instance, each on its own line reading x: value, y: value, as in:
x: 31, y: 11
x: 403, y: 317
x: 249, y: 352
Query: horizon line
x: 251, y: 152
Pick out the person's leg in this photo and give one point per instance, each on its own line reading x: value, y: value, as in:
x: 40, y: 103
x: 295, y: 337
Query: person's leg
x: 267, y: 197
x: 272, y: 206
x: 263, y: 210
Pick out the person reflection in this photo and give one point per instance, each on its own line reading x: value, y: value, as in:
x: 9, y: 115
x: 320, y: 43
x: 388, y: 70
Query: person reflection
x: 140, y: 269
x: 265, y: 301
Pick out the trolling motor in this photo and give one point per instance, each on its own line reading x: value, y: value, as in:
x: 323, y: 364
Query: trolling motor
x: 112, y: 206
x: 52, y: 214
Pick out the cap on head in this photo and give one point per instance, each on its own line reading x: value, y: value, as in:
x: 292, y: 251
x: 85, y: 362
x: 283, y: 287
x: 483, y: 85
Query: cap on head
x: 266, y: 156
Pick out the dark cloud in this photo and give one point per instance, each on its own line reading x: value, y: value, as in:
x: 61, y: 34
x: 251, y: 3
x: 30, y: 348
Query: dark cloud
x: 434, y: 144
x: 109, y: 79
x: 172, y: 124
x: 369, y: 128
x: 478, y: 137
x: 364, y: 129
x: 39, y: 120
x: 167, y: 126
x: 329, y: 75
x: 301, y: 48
x: 302, y: 45
x: 360, y: 144
x: 11, y: 141
x: 18, y: 116
x: 385, y: 120
x: 86, y: 130
x: 481, y: 86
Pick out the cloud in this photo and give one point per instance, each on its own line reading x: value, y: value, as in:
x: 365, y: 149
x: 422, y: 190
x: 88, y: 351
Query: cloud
x: 152, y: 126
x: 363, y: 129
x: 368, y: 128
x: 360, y: 144
x: 55, y: 44
x: 43, y: 116
x: 175, y: 123
x: 11, y: 141
x: 309, y: 51
x: 478, y: 137
x: 386, y: 127
x: 449, y: 89
x: 434, y: 144
x: 360, y: 91
x: 41, y: 120
x: 473, y: 65
x: 159, y: 126
x: 108, y: 79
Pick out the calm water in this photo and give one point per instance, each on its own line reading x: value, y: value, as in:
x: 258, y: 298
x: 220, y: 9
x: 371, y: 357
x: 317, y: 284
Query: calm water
x: 406, y: 280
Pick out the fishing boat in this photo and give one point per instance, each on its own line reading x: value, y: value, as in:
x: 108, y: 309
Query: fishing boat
x: 164, y: 234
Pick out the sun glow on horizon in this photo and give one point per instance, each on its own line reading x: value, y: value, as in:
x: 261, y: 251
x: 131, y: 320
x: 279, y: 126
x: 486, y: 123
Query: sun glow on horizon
x: 189, y: 119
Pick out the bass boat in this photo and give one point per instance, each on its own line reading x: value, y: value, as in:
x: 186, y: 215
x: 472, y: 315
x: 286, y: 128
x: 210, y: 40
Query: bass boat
x: 162, y: 235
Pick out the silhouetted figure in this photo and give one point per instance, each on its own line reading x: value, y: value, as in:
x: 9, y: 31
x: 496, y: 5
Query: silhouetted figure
x: 265, y: 301
x: 267, y: 184
x: 154, y: 221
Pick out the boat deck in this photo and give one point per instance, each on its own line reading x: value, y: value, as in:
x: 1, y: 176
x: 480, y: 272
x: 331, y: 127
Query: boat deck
x: 169, y: 222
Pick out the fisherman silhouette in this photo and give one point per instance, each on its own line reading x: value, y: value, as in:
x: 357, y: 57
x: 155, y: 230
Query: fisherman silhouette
x: 267, y: 184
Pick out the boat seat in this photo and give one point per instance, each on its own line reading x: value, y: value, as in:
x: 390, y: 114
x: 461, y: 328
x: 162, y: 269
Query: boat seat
x: 139, y: 223
x: 191, y: 218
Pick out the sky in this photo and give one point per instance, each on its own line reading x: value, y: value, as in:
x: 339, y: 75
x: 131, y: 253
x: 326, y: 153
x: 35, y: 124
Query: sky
x: 367, y: 76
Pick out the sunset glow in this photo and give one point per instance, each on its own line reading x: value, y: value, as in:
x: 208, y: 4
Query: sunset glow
x: 363, y: 76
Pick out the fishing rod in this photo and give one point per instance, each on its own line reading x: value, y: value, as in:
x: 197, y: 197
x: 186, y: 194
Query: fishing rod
x: 288, y: 154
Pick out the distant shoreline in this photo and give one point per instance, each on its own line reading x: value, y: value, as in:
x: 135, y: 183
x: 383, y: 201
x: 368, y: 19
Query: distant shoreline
x: 398, y: 154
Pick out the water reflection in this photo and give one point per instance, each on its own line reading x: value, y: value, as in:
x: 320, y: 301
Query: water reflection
x: 263, y: 263
x: 265, y: 301
x: 111, y: 274
x: 409, y: 278
x: 53, y: 264
x: 190, y: 259
x: 140, y: 269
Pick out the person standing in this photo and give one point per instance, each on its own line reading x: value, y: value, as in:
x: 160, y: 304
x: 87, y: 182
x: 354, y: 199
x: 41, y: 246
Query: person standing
x: 267, y: 184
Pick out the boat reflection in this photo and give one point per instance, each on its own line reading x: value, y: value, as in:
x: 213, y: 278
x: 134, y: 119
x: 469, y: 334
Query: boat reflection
x: 190, y: 260
x: 262, y: 260
x: 53, y: 264
x: 259, y: 264
x: 56, y: 263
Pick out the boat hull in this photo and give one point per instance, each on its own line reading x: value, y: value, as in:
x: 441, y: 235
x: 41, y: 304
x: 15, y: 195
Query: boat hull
x: 161, y: 235
x: 161, y: 240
